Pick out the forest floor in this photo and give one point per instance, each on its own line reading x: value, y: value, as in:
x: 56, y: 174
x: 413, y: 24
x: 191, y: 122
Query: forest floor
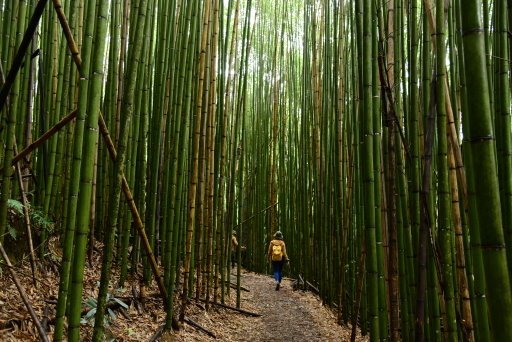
x: 286, y: 315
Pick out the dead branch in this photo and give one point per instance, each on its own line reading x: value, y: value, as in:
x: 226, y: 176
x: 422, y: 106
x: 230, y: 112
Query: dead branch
x: 199, y: 327
x: 234, y: 286
x: 44, y: 323
x: 253, y: 314
x: 313, y: 287
x: 158, y: 333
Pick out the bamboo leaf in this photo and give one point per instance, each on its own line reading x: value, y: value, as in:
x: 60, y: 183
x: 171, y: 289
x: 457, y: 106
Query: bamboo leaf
x: 120, y: 302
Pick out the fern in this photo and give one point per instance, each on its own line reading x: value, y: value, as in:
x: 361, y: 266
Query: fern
x: 12, y: 231
x: 15, y: 206
x: 40, y: 219
x: 37, y: 216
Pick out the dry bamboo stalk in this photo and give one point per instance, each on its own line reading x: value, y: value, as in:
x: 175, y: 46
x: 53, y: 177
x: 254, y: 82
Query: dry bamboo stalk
x: 462, y: 281
x: 63, y: 122
x: 454, y: 140
x: 452, y: 130
x: 75, y: 53
x: 199, y: 327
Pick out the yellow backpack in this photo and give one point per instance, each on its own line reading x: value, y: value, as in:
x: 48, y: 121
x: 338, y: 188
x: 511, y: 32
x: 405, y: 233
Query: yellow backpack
x: 277, y: 252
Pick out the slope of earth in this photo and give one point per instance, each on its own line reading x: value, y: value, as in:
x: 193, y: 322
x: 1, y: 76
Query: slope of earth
x: 286, y: 315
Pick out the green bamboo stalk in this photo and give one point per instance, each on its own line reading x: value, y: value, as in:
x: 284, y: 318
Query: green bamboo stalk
x: 70, y: 216
x: 478, y: 300
x: 502, y: 121
x: 483, y: 172
x: 368, y: 171
x: 92, y: 79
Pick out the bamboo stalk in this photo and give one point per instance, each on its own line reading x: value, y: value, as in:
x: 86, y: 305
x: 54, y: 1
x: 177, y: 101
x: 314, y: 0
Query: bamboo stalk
x: 484, y: 173
x: 466, y: 320
x: 425, y: 222
x: 195, y: 162
x: 452, y: 130
x: 359, y: 290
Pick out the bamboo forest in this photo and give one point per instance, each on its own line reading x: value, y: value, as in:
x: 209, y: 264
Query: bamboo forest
x: 153, y: 154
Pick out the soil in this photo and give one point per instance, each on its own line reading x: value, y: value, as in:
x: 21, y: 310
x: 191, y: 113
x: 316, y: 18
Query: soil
x: 286, y: 315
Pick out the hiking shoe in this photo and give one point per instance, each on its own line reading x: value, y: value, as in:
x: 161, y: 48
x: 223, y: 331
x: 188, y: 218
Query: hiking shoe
x: 277, y: 286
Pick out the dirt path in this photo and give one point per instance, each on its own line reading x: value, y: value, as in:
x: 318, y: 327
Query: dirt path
x: 287, y: 315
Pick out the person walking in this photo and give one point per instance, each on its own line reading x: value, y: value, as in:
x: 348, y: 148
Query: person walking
x: 277, y: 255
x: 234, y: 246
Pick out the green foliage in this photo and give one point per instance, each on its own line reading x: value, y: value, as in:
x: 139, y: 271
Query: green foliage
x: 15, y: 206
x: 12, y: 231
x: 38, y: 218
x: 41, y: 220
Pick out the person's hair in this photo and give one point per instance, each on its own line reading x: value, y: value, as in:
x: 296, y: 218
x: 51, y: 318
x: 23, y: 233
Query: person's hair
x: 278, y: 235
x: 233, y: 232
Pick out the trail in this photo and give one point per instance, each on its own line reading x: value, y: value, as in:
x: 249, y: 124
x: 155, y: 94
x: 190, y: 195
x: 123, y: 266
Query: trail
x: 287, y: 315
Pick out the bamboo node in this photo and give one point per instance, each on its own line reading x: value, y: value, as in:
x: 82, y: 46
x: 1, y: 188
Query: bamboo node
x: 480, y: 138
x: 473, y: 30
x: 496, y: 247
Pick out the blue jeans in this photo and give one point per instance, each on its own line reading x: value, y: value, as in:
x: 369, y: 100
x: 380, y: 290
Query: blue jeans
x: 277, y: 266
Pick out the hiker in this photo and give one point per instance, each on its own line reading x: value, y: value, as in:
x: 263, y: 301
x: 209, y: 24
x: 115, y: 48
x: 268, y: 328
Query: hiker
x: 278, y: 257
x: 234, y: 246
